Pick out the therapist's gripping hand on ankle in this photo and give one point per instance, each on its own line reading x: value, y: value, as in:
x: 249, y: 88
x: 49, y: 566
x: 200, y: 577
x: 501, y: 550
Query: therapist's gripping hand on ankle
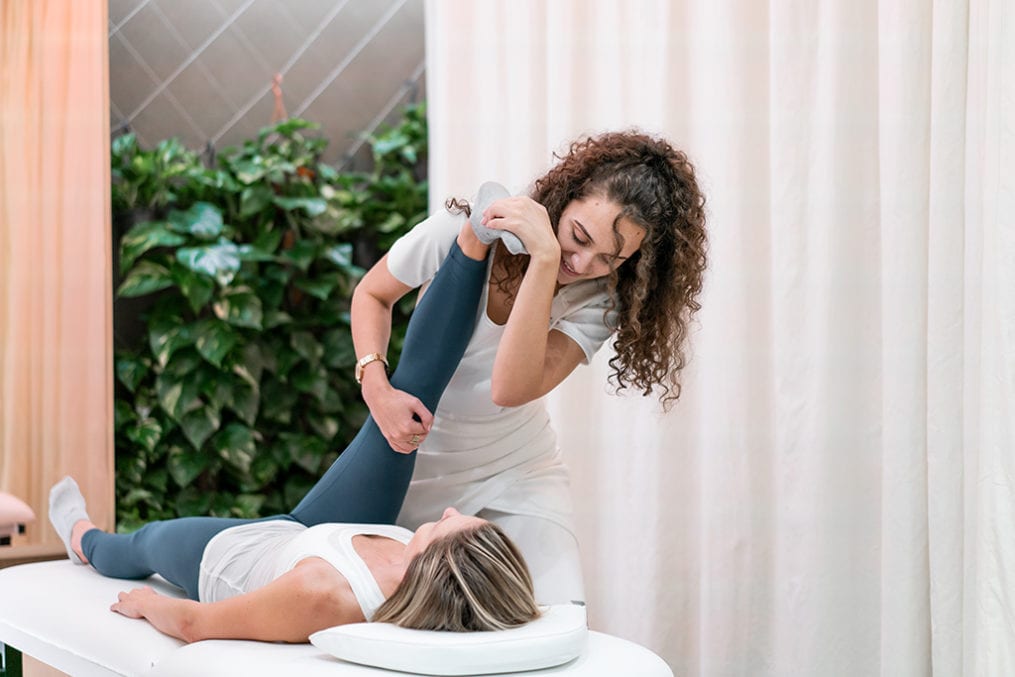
x: 402, y: 418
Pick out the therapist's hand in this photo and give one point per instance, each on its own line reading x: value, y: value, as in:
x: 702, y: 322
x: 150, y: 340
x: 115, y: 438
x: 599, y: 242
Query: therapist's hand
x: 403, y: 419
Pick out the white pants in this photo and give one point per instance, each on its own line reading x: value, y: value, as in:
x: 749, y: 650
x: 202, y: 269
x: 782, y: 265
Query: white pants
x: 550, y: 550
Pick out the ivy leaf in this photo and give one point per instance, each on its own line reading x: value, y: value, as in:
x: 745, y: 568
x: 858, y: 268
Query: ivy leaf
x: 197, y: 288
x: 391, y: 141
x: 235, y: 445
x: 124, y: 144
x: 245, y: 402
x: 248, y: 505
x: 252, y: 366
x: 220, y: 393
x: 253, y: 199
x: 199, y: 424
x: 394, y: 222
x: 301, y: 254
x: 332, y: 402
x: 146, y: 433
x: 305, y: 451
x: 341, y: 256
x: 145, y: 278
x: 311, y: 206
x: 183, y: 363
x: 220, y: 260
x: 267, y: 349
x: 157, y: 480
x: 239, y: 307
x: 217, y: 179
x: 248, y: 252
x: 276, y: 318
x: 268, y: 241
x: 326, y: 427
x: 286, y: 128
x: 178, y: 397
x: 193, y: 501
x: 185, y: 465
x: 285, y: 361
x: 306, y: 346
x: 239, y: 395
x: 264, y: 469
x: 130, y: 469
x: 336, y: 221
x: 136, y: 496
x: 296, y: 487
x: 248, y: 378
x: 278, y: 402
x: 320, y: 286
x: 123, y: 414
x: 166, y: 337
x: 339, y: 352
x: 214, y: 340
x: 327, y: 173
x: 143, y: 237
x: 130, y: 371
x: 309, y: 379
x: 329, y: 223
x: 279, y: 169
x: 249, y: 171
x: 202, y: 220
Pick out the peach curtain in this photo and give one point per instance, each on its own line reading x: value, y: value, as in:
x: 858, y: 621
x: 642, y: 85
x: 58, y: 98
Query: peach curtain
x: 55, y: 269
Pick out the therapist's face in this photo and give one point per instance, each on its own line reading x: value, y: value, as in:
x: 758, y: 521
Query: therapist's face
x: 588, y: 239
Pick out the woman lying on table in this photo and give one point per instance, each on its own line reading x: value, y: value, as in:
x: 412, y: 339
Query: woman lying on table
x: 336, y: 558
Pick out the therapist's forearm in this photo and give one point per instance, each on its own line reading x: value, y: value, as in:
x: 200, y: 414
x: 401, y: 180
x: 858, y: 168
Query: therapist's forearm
x: 520, y: 365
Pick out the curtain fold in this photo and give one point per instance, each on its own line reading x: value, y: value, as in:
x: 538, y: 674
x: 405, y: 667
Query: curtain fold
x: 55, y: 268
x: 833, y: 494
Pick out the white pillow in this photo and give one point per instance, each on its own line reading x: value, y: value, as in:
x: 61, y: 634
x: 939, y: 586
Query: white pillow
x: 556, y: 637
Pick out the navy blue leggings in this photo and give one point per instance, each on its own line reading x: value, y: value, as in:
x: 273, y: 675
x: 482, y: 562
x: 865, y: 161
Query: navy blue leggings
x: 368, y: 481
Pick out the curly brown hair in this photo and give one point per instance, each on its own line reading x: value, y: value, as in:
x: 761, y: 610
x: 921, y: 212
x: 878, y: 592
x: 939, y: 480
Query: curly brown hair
x: 655, y: 292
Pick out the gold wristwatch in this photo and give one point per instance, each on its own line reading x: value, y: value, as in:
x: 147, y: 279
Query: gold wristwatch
x: 364, y: 361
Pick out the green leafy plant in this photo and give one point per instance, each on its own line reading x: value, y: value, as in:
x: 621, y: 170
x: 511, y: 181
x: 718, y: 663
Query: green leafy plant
x: 235, y: 391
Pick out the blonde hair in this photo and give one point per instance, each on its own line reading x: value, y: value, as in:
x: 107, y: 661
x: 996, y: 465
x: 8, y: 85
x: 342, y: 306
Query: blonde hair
x: 470, y: 580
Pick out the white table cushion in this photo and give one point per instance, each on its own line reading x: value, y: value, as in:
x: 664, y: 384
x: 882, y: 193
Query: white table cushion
x: 59, y: 613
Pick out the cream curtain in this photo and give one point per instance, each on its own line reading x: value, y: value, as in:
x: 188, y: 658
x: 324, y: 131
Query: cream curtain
x: 55, y: 274
x: 835, y: 492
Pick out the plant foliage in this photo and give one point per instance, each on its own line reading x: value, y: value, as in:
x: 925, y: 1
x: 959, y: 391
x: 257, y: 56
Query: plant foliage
x: 236, y: 390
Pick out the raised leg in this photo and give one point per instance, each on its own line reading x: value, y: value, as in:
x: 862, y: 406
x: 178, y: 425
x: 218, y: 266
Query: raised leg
x: 367, y: 483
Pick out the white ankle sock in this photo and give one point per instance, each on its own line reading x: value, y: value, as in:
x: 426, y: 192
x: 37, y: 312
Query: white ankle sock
x: 66, y: 508
x: 490, y: 192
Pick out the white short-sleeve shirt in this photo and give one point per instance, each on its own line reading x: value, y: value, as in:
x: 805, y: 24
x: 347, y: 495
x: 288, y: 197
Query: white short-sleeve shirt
x: 479, y: 455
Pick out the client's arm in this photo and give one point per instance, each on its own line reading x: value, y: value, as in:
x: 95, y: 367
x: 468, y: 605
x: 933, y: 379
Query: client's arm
x: 311, y: 597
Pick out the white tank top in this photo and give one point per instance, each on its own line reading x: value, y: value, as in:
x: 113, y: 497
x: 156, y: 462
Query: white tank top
x: 245, y: 558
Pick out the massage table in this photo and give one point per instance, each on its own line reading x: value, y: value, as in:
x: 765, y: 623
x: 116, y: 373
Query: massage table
x: 59, y: 614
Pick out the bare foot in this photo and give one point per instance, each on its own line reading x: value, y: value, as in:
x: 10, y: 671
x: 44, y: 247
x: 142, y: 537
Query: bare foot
x: 470, y: 244
x: 79, y: 529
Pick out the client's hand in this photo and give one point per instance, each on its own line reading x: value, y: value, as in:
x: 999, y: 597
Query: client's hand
x: 403, y: 419
x: 175, y: 617
x: 133, y: 604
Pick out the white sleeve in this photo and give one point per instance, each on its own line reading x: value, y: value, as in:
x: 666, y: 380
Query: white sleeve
x: 416, y: 256
x: 589, y: 325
